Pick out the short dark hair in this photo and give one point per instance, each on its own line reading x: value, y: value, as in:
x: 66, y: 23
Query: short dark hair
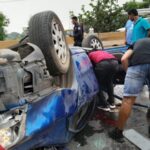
x: 74, y: 18
x: 133, y: 12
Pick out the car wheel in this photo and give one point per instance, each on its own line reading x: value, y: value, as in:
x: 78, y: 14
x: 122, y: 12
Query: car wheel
x: 47, y: 32
x: 82, y: 116
x: 92, y: 41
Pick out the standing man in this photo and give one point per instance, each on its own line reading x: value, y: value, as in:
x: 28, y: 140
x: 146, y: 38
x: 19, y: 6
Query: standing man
x: 77, y: 32
x: 137, y: 73
x: 128, y: 32
x: 141, y: 27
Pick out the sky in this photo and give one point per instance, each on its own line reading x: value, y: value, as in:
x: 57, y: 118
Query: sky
x: 20, y: 11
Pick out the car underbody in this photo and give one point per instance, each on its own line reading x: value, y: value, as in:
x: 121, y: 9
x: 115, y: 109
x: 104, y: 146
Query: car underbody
x: 48, y: 92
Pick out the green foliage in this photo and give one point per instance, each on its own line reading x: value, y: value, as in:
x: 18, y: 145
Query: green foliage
x: 148, y: 1
x: 71, y: 14
x: 3, y: 23
x: 104, y: 16
x: 137, y: 5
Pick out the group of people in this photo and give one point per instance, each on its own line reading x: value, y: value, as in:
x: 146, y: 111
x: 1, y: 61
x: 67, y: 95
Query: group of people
x: 136, y: 62
x: 105, y: 67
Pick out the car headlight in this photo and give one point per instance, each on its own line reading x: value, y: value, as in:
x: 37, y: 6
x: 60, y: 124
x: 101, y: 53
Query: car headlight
x: 11, y: 127
x: 6, y: 137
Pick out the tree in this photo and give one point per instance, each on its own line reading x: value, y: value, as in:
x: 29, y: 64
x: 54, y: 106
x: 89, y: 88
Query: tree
x: 3, y: 23
x: 105, y: 15
x: 137, y: 5
x: 147, y: 1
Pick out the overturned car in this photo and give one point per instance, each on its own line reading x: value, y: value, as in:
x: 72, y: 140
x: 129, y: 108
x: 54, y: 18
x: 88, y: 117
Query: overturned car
x: 47, y: 91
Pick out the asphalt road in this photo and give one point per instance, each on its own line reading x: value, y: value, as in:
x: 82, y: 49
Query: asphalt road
x: 95, y: 137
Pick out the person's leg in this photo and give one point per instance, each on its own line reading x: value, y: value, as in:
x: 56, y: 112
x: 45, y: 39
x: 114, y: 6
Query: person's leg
x: 111, y: 71
x: 110, y: 91
x: 78, y: 43
x: 101, y: 77
x: 125, y: 111
x: 134, y: 82
x: 102, y: 103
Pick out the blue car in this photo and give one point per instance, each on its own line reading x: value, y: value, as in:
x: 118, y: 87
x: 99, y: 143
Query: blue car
x: 48, y: 92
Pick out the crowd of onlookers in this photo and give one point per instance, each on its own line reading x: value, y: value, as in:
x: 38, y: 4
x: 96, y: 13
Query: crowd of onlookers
x: 135, y: 61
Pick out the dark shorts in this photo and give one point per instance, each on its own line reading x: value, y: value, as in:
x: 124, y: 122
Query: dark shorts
x: 106, y: 69
x: 135, y: 79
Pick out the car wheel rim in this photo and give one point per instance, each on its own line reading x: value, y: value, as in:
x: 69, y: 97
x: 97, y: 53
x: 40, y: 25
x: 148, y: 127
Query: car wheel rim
x: 59, y: 42
x: 95, y: 44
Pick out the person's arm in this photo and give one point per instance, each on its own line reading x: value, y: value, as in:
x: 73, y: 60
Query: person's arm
x: 126, y: 33
x: 125, y: 58
x: 125, y: 36
x: 146, y: 26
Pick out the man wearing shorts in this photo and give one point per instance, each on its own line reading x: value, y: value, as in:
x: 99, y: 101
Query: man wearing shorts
x: 137, y: 74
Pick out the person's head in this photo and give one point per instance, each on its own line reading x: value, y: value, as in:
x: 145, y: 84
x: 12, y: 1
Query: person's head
x: 133, y: 14
x: 74, y: 20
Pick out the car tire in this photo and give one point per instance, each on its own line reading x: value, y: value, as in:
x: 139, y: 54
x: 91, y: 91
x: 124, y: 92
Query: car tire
x: 92, y: 41
x: 47, y: 32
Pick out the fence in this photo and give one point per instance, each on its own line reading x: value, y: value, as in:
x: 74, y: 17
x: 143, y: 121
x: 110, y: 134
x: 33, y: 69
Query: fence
x: 105, y: 37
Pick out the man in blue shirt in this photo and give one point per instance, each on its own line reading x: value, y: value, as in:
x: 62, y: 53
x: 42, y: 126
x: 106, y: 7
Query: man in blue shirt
x: 141, y: 27
x: 128, y: 32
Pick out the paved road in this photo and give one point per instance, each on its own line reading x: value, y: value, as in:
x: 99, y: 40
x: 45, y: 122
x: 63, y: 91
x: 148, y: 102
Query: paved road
x: 94, y: 136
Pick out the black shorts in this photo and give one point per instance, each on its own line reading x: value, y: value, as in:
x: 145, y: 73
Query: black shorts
x: 106, y: 69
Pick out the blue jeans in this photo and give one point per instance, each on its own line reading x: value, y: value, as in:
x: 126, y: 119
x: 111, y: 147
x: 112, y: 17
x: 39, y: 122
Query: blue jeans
x: 135, y: 79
